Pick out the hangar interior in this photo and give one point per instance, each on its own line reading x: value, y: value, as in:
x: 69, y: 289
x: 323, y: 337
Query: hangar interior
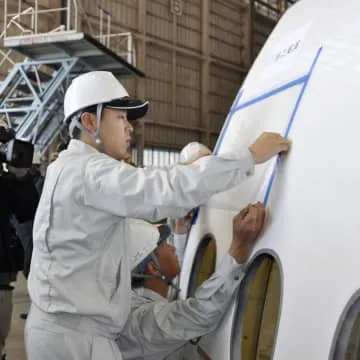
x: 187, y: 57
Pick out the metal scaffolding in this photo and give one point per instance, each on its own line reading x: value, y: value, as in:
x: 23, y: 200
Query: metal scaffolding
x: 31, y: 95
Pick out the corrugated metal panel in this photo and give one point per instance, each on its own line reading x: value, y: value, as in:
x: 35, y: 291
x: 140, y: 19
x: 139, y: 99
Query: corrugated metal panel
x: 158, y: 90
x: 188, y: 75
x: 124, y: 11
x: 188, y: 33
x: 159, y: 110
x: 130, y: 85
x: 226, y: 30
x: 187, y: 96
x: 191, y: 17
x: 186, y: 115
x: 213, y: 140
x: 159, y: 19
x: 188, y: 38
x: 158, y: 63
x: 158, y: 82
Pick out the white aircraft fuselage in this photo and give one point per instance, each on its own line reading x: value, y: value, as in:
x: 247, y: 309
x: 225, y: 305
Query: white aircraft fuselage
x: 305, y: 84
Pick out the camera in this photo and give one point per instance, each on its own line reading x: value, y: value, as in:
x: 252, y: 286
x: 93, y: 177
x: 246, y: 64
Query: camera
x: 15, y: 152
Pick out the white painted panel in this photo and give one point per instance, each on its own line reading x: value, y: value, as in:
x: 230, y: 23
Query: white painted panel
x: 313, y: 223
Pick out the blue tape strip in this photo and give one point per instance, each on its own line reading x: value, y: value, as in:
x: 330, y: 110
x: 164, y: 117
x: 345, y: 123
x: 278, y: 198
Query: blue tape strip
x: 290, y: 123
x: 196, y: 216
x: 303, y: 80
x: 254, y: 101
x: 271, y: 93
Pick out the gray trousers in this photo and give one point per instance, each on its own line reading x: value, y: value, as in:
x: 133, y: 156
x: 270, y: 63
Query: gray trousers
x: 56, y: 338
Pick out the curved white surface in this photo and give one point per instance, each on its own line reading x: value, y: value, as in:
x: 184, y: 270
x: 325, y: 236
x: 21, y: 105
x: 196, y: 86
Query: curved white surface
x: 310, y: 71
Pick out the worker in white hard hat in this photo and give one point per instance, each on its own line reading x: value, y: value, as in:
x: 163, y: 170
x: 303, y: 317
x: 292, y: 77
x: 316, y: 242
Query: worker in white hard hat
x: 79, y: 281
x: 157, y: 329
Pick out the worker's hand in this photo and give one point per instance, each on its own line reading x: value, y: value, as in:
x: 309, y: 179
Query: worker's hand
x: 183, y: 224
x: 268, y: 145
x: 247, y: 225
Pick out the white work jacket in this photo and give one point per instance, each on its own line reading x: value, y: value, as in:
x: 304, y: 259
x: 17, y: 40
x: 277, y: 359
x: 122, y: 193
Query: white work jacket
x: 158, y: 330
x: 80, y: 262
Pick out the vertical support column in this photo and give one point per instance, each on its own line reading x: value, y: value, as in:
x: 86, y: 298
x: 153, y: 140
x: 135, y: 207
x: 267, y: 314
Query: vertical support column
x: 63, y: 14
x: 282, y: 6
x: 251, y: 33
x: 36, y: 16
x: 5, y: 18
x: 68, y: 16
x: 108, y: 30
x: 101, y: 15
x: 174, y: 65
x: 205, y: 72
x: 140, y: 83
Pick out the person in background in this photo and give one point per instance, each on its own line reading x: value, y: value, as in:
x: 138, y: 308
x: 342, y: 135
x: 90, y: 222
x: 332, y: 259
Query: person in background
x: 19, y: 199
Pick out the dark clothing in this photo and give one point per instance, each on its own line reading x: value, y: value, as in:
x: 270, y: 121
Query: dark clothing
x: 19, y: 199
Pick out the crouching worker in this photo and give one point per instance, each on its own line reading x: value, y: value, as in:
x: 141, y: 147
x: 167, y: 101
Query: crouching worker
x: 157, y: 329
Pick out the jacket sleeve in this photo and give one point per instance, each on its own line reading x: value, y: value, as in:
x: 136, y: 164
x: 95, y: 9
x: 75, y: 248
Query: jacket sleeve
x: 153, y: 194
x: 156, y: 328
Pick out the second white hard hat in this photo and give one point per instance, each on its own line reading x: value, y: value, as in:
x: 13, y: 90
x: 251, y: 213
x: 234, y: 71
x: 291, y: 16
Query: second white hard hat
x: 144, y: 239
x: 191, y: 149
x: 101, y: 87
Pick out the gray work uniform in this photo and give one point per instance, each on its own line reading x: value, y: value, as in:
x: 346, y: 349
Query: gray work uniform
x: 79, y: 281
x: 158, y: 330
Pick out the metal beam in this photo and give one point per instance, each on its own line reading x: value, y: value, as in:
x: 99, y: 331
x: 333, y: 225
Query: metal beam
x: 173, y: 71
x: 140, y: 83
x: 251, y: 32
x: 205, y: 72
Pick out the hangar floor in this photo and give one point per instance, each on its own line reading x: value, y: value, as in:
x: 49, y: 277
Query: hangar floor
x: 15, y: 345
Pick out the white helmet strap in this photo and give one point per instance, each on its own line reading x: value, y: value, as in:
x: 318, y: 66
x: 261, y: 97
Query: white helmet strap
x: 99, y: 110
x: 162, y: 277
x: 76, y: 123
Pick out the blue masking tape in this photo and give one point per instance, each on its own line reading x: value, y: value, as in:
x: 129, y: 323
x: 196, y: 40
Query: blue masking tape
x: 290, y: 123
x: 303, y: 80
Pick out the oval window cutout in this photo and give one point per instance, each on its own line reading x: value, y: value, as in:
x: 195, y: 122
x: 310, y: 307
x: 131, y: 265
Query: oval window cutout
x: 257, y: 313
x: 203, y: 265
x: 346, y: 344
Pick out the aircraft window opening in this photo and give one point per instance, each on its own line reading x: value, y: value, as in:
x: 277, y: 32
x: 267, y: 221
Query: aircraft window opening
x: 258, y: 309
x: 346, y: 344
x: 204, y: 263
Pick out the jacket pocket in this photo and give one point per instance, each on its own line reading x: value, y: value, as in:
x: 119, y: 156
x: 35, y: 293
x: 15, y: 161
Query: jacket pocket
x: 109, y: 274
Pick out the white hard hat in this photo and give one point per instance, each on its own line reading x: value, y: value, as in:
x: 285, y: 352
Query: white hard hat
x: 190, y: 150
x: 144, y: 239
x: 101, y: 87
